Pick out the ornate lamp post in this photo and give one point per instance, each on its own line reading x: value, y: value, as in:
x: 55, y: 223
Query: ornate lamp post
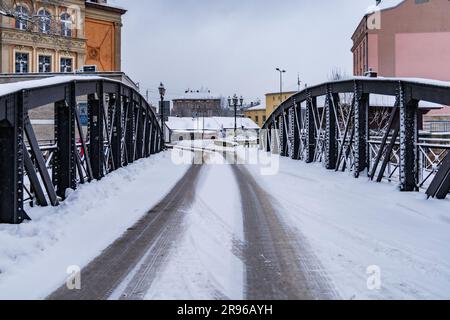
x: 235, y: 102
x: 162, y: 93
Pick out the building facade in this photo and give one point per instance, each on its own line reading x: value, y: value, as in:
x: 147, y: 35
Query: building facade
x: 60, y: 36
x: 274, y: 100
x: 257, y: 114
x: 409, y: 38
x: 197, y: 103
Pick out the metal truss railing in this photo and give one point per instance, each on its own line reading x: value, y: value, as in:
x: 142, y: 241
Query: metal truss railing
x: 335, y: 124
x: 122, y: 128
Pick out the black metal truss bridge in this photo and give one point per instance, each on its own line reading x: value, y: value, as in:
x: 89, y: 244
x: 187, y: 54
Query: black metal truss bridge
x: 122, y: 128
x: 335, y: 123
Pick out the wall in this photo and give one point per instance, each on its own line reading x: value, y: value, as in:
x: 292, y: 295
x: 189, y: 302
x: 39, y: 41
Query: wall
x: 273, y: 101
x: 413, y: 40
x: 258, y: 116
x: 100, y: 46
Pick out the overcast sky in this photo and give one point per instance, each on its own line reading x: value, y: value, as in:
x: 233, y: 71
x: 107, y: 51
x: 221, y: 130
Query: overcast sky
x: 234, y: 46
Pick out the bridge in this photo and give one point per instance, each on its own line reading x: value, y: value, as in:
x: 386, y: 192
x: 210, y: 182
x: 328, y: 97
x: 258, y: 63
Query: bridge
x: 335, y: 124
x: 122, y: 128
x: 224, y: 231
x: 331, y: 123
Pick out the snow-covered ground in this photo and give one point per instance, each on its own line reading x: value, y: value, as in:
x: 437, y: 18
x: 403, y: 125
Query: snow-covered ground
x: 203, y: 264
x: 356, y: 226
x: 34, y: 256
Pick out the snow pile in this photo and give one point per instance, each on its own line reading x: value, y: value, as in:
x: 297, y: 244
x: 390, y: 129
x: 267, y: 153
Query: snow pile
x: 34, y: 256
x: 354, y: 224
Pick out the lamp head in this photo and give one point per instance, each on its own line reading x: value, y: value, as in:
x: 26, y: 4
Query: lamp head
x: 162, y: 90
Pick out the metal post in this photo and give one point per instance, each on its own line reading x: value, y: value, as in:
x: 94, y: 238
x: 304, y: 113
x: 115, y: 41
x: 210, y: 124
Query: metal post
x: 12, y: 160
x: 64, y: 169
x: 311, y: 102
x: 296, y: 141
x: 96, y: 147
x: 140, y: 130
x: 116, y: 143
x: 129, y: 134
x: 361, y: 132
x: 408, y: 141
x: 331, y: 130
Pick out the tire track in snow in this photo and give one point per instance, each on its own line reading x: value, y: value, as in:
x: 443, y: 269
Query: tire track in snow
x: 280, y: 265
x: 144, y: 246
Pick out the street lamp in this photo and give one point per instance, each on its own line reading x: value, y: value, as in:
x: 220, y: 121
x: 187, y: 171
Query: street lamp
x: 235, y: 102
x: 162, y: 93
x: 281, y: 83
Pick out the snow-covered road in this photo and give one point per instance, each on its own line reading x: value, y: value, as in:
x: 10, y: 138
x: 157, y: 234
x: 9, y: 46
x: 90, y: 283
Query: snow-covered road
x: 373, y: 241
x: 296, y: 231
x: 35, y: 256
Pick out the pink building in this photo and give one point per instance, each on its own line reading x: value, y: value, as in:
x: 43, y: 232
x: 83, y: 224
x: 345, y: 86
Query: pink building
x: 407, y: 38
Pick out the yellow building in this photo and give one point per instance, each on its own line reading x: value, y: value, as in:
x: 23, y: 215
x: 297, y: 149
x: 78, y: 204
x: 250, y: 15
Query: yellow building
x: 257, y: 114
x: 273, y: 100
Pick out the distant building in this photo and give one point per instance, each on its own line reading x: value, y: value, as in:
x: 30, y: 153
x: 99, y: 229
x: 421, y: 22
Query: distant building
x: 60, y: 36
x: 274, y: 100
x: 257, y: 114
x: 407, y: 38
x: 404, y: 38
x: 189, y: 128
x: 197, y: 103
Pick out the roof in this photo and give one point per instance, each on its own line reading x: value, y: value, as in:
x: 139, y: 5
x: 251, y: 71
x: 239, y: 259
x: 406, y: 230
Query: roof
x: 444, y: 111
x: 286, y: 92
x: 198, y: 95
x: 211, y: 123
x: 384, y: 5
x: 106, y: 6
x: 259, y: 107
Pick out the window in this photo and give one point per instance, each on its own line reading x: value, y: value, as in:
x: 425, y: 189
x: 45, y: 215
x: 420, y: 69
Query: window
x: 66, y: 25
x: 264, y: 118
x: 22, y: 62
x: 256, y: 119
x: 44, y: 21
x: 22, y: 17
x: 66, y: 65
x: 45, y: 64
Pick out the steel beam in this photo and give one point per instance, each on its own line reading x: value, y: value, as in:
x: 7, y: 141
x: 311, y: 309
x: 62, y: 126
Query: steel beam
x: 331, y: 133
x: 96, y: 139
x: 296, y: 139
x: 130, y: 129
x: 40, y: 164
x: 117, y: 132
x: 311, y: 104
x: 64, y: 164
x: 409, y: 137
x: 12, y: 160
x: 361, y: 132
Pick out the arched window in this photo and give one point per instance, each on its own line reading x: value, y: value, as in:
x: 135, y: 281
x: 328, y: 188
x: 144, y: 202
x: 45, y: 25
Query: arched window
x: 45, y: 19
x: 66, y: 25
x: 22, y: 17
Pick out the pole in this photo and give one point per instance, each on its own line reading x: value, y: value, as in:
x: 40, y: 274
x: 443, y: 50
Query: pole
x: 203, y: 128
x: 281, y: 87
x: 235, y: 119
x: 163, y: 138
